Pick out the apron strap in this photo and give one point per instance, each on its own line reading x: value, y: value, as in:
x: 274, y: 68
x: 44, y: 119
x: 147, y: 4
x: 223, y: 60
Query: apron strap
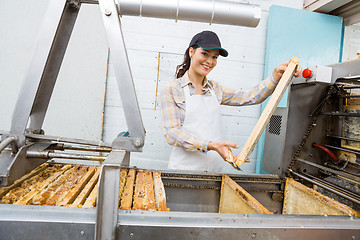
x: 212, y: 92
x: 187, y: 91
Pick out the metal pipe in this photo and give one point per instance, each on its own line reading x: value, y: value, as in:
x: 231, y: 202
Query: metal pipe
x: 68, y: 140
x: 342, y: 168
x: 333, y: 186
x: 349, y: 96
x: 7, y: 141
x: 76, y: 156
x: 351, y: 79
x: 331, y: 154
x: 343, y: 149
x: 344, y: 138
x: 352, y: 87
x: 325, y: 187
x: 48, y: 155
x: 340, y: 114
x: 352, y: 177
x: 209, y: 11
x: 83, y: 148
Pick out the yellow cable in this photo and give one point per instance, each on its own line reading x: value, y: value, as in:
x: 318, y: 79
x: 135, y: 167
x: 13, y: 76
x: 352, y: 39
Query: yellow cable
x: 157, y: 81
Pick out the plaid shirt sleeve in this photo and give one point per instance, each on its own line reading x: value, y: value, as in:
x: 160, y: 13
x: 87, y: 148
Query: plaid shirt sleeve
x: 172, y: 121
x: 239, y: 97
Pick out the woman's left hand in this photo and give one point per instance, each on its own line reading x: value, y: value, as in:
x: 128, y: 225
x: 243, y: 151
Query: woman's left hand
x: 279, y: 71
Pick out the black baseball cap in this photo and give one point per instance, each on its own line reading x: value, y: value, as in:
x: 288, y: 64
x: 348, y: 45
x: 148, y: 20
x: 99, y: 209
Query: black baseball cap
x: 208, y: 40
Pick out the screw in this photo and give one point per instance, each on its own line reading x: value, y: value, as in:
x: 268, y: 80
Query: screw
x: 107, y: 12
x: 137, y: 143
x: 131, y: 235
x: 253, y: 236
x: 82, y: 233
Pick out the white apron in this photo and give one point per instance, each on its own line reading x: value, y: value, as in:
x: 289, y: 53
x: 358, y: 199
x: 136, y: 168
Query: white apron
x: 202, y: 120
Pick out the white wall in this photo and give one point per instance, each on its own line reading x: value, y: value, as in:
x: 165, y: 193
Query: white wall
x: 76, y: 106
x: 146, y: 38
x: 18, y: 30
x: 351, y: 41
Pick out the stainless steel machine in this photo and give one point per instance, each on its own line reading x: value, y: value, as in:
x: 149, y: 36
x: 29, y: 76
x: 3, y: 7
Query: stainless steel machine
x: 317, y: 134
x: 192, y: 197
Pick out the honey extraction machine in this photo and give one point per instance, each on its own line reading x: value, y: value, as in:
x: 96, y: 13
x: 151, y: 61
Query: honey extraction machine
x: 307, y: 146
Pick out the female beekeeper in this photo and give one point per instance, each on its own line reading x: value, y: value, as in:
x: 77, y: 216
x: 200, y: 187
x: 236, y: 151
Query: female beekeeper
x: 191, y: 106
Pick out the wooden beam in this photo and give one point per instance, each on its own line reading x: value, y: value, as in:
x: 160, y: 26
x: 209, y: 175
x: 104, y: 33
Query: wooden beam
x: 234, y: 199
x: 127, y: 196
x: 81, y: 198
x: 74, y: 192
x: 38, y: 188
x: 268, y: 112
x: 17, y: 183
x: 139, y: 191
x: 159, y: 191
x: 300, y: 199
x: 123, y: 174
x: 51, y: 188
x: 63, y: 190
x: 91, y: 199
x: 149, y: 200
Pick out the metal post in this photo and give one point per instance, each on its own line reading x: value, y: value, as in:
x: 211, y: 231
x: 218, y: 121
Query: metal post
x: 40, y: 79
x: 107, y: 203
x: 123, y: 75
x: 126, y: 161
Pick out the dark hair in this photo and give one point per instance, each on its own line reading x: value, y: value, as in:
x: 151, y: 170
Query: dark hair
x: 185, y: 65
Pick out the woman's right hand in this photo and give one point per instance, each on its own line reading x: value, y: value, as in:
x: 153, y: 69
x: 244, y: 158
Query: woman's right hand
x: 222, y: 148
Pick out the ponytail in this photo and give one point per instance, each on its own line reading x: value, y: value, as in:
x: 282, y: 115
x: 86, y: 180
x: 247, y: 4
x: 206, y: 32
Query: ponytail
x: 185, y: 65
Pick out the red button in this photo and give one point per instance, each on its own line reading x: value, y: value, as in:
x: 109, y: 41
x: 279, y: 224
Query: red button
x: 307, y: 73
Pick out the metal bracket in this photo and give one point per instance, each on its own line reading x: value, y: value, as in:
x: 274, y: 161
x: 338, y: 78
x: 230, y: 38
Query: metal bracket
x: 107, y: 202
x: 12, y: 168
x: 131, y: 144
x: 75, y: 4
x: 39, y: 150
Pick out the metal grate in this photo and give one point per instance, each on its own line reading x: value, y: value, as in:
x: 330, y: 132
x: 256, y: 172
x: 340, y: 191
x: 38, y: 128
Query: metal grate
x: 275, y: 124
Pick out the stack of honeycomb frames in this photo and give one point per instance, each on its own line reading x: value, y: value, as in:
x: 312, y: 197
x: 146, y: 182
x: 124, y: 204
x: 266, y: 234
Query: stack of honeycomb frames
x: 76, y: 186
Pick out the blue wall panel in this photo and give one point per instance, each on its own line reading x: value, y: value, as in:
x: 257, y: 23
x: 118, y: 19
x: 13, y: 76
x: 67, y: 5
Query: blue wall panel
x: 313, y: 37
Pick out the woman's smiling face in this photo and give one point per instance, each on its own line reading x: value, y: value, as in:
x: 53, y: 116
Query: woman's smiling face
x: 203, y: 61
